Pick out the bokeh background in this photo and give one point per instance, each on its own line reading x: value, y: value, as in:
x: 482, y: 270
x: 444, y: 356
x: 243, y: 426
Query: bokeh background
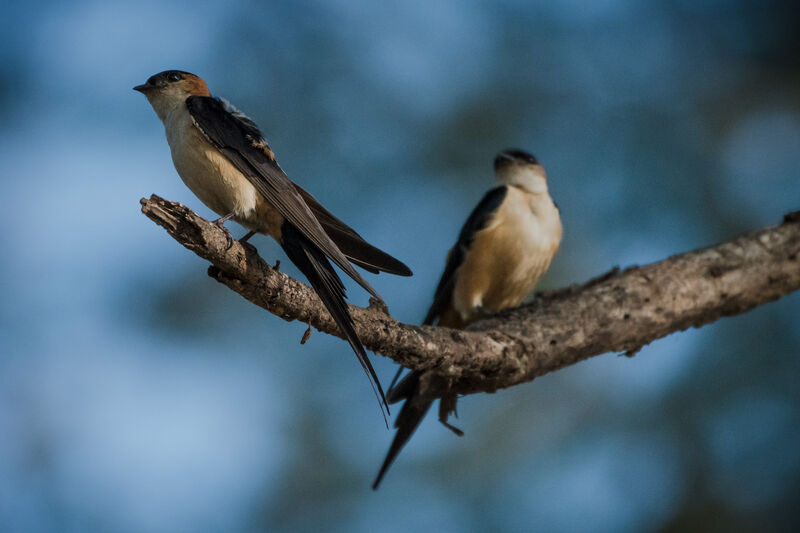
x: 138, y: 395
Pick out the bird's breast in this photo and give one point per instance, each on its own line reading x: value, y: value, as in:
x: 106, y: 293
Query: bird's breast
x: 207, y: 172
x: 508, y: 257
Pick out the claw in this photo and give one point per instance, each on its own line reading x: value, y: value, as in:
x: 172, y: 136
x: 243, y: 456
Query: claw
x: 483, y: 312
x: 220, y: 223
x: 228, y: 238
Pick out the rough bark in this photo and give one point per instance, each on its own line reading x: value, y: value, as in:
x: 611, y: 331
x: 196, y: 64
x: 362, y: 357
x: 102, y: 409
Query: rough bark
x: 620, y: 311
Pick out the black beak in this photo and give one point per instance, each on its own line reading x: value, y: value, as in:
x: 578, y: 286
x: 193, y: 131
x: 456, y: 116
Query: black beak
x: 143, y: 88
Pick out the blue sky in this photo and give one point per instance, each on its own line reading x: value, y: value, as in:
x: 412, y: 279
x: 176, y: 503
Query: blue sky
x: 136, y: 394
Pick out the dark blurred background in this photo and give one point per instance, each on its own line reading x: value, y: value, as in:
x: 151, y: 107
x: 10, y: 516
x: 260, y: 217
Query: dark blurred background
x: 138, y: 395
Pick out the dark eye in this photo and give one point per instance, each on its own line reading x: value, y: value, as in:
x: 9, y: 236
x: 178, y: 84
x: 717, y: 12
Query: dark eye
x: 174, y: 76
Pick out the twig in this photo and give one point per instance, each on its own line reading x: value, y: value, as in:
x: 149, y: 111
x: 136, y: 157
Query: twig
x: 616, y: 312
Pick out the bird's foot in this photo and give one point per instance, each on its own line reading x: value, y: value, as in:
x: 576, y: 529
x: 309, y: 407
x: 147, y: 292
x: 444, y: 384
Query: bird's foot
x: 378, y: 305
x: 220, y: 223
x: 247, y: 237
x: 483, y: 312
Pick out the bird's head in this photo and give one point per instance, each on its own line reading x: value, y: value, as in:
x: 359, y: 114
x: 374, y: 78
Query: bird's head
x: 169, y: 89
x: 519, y: 168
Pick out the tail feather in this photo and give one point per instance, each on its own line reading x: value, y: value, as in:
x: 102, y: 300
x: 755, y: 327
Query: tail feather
x: 408, y: 420
x: 353, y: 246
x: 394, y: 380
x: 407, y: 387
x: 330, y: 289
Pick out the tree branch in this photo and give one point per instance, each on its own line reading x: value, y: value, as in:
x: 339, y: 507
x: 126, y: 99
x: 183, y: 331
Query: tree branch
x: 620, y: 311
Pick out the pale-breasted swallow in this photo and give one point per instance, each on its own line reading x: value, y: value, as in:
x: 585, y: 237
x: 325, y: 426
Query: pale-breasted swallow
x: 222, y: 157
x: 503, y: 249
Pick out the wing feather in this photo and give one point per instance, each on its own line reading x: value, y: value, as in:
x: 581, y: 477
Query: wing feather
x: 353, y: 245
x: 479, y: 219
x: 240, y: 141
x: 319, y: 272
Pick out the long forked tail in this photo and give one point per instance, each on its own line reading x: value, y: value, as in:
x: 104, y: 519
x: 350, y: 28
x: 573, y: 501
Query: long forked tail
x: 319, y: 272
x: 408, y: 420
x: 353, y: 246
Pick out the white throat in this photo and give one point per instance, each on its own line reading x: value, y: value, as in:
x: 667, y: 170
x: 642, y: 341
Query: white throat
x: 530, y: 178
x: 166, y: 104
